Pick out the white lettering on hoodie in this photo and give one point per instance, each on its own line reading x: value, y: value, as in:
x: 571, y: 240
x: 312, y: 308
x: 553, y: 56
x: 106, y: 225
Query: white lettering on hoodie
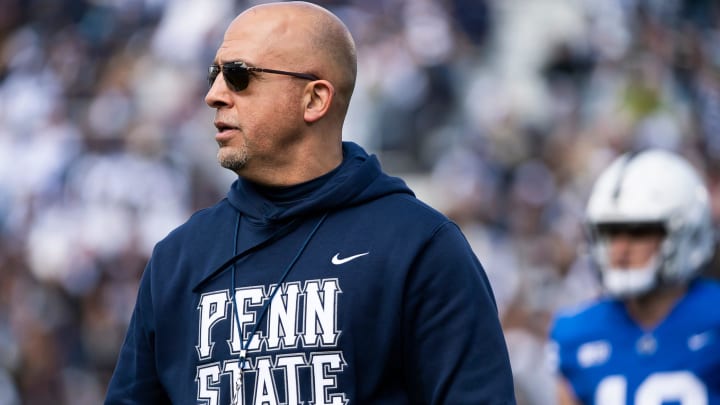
x: 301, y: 316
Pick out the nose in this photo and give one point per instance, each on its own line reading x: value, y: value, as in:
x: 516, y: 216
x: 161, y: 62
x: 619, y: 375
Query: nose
x: 619, y: 246
x: 218, y: 94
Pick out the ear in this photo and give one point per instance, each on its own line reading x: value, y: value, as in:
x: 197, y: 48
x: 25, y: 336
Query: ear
x: 318, y: 97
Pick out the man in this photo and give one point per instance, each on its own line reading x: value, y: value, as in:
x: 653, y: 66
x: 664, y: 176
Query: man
x: 319, y: 279
x: 656, y: 338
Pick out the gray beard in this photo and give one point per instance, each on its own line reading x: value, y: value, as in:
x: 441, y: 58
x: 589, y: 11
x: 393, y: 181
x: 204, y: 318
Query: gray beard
x: 233, y: 161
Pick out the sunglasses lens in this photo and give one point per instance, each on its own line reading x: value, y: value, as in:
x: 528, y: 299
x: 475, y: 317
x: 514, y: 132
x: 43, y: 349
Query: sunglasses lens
x: 236, y: 77
x: 212, y: 74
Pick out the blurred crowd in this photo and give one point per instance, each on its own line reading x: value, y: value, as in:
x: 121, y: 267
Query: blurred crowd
x: 498, y: 112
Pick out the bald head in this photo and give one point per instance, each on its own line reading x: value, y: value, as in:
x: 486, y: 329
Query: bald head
x: 300, y: 36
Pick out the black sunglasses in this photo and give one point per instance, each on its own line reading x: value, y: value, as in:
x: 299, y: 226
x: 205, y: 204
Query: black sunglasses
x: 237, y: 74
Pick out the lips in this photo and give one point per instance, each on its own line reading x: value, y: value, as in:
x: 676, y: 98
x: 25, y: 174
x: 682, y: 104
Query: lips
x: 224, y: 126
x: 225, y: 131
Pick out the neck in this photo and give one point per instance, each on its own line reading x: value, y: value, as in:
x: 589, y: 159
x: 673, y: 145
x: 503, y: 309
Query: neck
x: 650, y: 309
x: 295, y: 165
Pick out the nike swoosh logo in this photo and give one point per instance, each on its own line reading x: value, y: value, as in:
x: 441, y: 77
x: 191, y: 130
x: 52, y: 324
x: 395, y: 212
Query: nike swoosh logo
x: 700, y: 340
x: 336, y: 260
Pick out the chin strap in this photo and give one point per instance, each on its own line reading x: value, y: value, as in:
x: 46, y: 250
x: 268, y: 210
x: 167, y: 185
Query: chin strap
x: 627, y: 282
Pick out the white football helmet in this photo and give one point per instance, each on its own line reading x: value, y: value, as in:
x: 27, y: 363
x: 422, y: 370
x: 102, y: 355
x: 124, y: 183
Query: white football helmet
x: 653, y: 187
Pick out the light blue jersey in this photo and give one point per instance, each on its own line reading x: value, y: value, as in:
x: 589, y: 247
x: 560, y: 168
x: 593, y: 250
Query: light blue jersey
x: 610, y: 360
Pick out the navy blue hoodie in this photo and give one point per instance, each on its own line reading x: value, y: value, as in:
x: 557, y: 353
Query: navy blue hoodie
x: 349, y: 290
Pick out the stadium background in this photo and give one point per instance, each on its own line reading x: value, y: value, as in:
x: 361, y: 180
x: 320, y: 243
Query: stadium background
x: 498, y: 112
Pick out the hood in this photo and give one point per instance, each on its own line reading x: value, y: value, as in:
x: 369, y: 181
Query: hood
x: 358, y: 179
x: 265, y: 214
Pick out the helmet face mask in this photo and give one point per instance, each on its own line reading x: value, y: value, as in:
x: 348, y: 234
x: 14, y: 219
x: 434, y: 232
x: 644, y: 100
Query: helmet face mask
x: 652, y: 192
x: 631, y: 282
x: 630, y: 256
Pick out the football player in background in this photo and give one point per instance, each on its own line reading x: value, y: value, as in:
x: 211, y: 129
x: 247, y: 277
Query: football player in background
x: 654, y: 338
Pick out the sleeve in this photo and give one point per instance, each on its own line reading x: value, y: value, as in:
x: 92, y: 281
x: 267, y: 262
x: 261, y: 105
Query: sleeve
x: 135, y: 379
x: 561, y: 355
x: 559, y: 348
x: 455, y: 350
